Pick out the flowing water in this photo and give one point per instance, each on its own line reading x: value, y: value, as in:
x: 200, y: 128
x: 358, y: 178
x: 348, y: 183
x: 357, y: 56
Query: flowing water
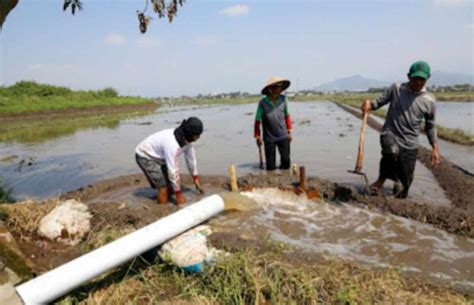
x: 356, y: 234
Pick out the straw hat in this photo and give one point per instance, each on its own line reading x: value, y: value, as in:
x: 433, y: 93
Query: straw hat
x: 275, y: 80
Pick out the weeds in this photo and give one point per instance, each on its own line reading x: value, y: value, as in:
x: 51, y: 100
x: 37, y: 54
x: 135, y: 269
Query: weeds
x: 246, y: 277
x: 5, y: 193
x: 28, y: 96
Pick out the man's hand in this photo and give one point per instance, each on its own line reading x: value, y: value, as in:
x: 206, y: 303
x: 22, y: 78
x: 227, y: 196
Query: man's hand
x: 366, y: 107
x: 435, y: 157
x: 259, y: 140
x: 180, y: 199
x: 290, y: 137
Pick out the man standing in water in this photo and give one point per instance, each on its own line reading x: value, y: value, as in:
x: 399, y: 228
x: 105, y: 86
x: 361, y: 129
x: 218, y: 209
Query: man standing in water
x: 410, y: 103
x: 273, y: 113
x: 158, y: 155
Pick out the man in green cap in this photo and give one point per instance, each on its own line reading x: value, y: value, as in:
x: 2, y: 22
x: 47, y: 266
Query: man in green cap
x: 410, y: 104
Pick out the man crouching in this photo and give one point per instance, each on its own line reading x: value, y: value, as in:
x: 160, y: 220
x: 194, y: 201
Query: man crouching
x: 158, y: 155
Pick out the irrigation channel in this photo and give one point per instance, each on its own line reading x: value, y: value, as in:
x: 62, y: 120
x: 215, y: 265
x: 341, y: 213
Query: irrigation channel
x: 325, y: 142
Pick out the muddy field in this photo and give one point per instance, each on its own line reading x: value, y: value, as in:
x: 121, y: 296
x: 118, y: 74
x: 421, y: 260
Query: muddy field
x: 374, y: 231
x: 127, y: 202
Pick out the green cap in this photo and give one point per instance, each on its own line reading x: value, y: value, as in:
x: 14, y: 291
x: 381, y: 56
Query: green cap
x: 420, y: 69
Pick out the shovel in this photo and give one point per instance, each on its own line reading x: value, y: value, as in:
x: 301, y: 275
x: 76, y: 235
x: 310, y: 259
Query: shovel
x: 360, y: 153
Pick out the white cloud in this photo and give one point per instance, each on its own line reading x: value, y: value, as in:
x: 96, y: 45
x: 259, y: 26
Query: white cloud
x: 470, y: 26
x: 235, y: 10
x: 204, y: 41
x: 114, y: 38
x: 148, y: 42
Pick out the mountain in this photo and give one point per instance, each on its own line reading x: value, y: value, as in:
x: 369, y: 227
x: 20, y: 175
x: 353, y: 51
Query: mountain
x: 351, y: 83
x: 439, y: 78
x: 360, y: 83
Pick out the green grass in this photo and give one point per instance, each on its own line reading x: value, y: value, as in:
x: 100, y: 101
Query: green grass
x: 255, y: 277
x: 5, y: 193
x: 213, y: 101
x: 29, y: 96
x: 33, y: 131
x: 462, y: 96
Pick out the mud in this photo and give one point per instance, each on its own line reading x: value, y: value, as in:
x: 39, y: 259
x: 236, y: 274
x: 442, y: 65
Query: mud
x: 127, y: 201
x: 457, y: 183
x: 457, y: 220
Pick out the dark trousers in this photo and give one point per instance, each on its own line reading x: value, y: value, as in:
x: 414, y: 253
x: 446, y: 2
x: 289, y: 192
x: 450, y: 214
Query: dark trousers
x: 397, y: 163
x: 156, y: 174
x: 270, y: 154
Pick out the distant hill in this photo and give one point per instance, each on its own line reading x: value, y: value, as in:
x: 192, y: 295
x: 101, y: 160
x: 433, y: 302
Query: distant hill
x: 360, y: 83
x: 439, y: 78
x: 351, y: 83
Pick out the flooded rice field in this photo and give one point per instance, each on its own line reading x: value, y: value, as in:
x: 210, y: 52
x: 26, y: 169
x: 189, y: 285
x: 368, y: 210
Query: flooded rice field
x: 325, y: 141
x: 461, y: 155
x: 458, y: 115
x: 356, y: 234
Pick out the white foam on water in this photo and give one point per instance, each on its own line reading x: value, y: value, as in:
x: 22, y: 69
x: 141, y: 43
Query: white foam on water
x: 361, y: 235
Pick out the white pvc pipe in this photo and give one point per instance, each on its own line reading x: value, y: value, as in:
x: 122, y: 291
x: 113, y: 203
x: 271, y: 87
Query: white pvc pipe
x: 57, y: 282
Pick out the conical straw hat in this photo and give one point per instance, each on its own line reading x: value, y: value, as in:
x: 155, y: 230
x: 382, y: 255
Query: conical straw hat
x: 275, y: 80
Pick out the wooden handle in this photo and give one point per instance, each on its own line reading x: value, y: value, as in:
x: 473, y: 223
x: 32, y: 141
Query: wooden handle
x: 260, y: 154
x: 360, y: 151
x: 233, y: 179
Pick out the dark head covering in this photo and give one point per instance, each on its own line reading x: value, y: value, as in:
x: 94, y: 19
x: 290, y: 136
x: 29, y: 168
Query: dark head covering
x: 187, y: 130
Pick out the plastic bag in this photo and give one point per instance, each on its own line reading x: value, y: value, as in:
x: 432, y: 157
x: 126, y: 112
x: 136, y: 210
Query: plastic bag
x: 189, y: 250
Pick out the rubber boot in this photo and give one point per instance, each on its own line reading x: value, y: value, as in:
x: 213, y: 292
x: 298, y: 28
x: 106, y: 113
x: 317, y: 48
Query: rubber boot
x: 162, y: 196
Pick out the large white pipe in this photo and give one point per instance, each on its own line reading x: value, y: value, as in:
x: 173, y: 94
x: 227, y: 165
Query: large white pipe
x: 57, y: 282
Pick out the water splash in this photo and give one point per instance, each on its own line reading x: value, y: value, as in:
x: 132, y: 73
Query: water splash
x: 357, y: 234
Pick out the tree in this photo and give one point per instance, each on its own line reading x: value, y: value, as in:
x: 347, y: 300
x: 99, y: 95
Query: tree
x: 5, y: 7
x: 160, y: 7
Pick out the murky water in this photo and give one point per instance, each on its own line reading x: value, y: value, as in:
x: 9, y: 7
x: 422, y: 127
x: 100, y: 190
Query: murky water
x: 356, y: 234
x: 325, y: 141
x: 456, y: 115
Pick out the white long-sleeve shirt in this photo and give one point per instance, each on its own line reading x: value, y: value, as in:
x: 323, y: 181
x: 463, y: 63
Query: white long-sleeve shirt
x: 163, y: 147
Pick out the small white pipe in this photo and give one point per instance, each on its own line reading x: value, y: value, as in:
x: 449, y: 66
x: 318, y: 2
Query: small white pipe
x: 57, y: 282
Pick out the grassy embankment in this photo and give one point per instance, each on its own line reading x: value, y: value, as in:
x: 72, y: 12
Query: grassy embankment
x: 53, y: 111
x: 268, y: 275
x: 31, y: 97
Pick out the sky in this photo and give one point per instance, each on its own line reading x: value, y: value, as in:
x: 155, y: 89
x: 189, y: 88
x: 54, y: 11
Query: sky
x: 223, y: 46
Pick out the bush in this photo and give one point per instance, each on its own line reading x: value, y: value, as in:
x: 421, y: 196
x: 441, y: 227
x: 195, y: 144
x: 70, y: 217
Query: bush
x: 108, y: 92
x: 31, y: 88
